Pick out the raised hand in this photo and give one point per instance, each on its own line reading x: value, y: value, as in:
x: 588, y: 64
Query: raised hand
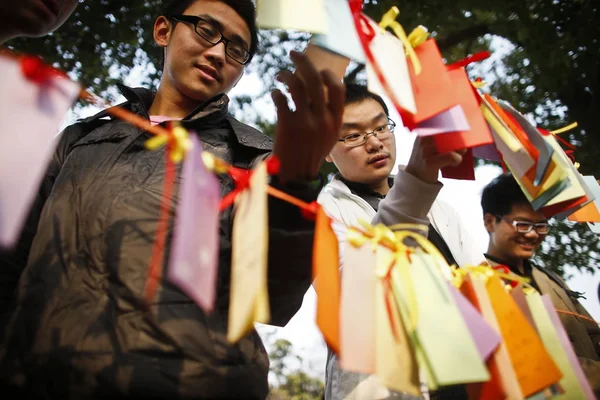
x: 305, y: 136
x: 425, y: 161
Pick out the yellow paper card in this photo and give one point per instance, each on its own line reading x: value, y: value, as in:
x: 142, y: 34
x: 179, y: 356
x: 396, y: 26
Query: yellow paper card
x: 396, y: 364
x: 436, y: 307
x: 249, y: 300
x: 357, y: 316
x: 576, y: 188
x: 305, y: 15
x: 550, y: 338
x: 533, y: 366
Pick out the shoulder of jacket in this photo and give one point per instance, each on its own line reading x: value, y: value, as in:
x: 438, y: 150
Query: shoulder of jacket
x: 250, y: 136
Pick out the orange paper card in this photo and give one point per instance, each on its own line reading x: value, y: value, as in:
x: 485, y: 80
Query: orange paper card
x: 432, y: 88
x: 326, y: 274
x: 479, y: 134
x: 533, y: 365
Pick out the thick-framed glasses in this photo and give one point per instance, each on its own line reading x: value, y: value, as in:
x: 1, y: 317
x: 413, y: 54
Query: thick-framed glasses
x: 541, y: 228
x: 357, y: 139
x: 209, y: 32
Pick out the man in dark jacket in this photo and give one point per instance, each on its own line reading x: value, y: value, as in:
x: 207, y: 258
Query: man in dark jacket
x: 80, y: 328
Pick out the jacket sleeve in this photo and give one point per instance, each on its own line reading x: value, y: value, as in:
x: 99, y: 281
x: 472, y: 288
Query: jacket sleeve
x: 290, y: 252
x: 408, y: 201
x: 13, y: 261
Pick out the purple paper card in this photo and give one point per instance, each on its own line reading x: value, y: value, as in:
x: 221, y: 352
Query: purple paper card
x: 30, y: 117
x: 452, y: 120
x: 566, y: 343
x: 194, y: 255
x: 485, y: 337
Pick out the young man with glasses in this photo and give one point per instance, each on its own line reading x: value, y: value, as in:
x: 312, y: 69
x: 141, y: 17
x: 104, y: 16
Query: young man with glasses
x: 363, y: 189
x: 516, y: 232
x: 81, y: 328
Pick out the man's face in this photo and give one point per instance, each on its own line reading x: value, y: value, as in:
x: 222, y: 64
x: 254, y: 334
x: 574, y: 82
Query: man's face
x: 194, y: 67
x: 506, y: 242
x: 34, y: 17
x: 372, y: 161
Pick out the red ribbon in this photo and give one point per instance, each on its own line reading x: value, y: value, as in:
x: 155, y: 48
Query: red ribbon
x: 506, y: 270
x: 482, y: 55
x: 156, y: 259
x: 35, y: 70
x: 310, y: 212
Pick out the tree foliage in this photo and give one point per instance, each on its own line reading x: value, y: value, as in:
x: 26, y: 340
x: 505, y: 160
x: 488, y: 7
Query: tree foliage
x: 552, y: 73
x: 291, y: 384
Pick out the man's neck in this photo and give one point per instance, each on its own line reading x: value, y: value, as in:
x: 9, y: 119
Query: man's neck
x: 382, y: 187
x: 169, y: 102
x: 516, y: 265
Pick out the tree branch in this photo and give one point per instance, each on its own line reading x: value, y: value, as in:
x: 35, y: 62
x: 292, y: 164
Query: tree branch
x: 470, y: 33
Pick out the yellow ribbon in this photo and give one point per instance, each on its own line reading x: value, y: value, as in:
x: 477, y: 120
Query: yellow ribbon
x: 485, y: 272
x: 430, y: 249
x: 214, y: 164
x: 478, y: 84
x: 565, y: 129
x: 418, y: 36
x: 378, y: 234
x: 389, y: 21
x: 178, y: 137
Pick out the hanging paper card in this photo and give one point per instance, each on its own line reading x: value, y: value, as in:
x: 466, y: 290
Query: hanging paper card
x: 594, y: 227
x: 533, y: 365
x: 194, y: 255
x: 549, y: 333
x: 518, y: 295
x: 574, y: 205
x: 479, y: 134
x: 326, y: 276
x: 503, y: 382
x: 390, y: 56
x: 486, y: 338
x: 324, y: 59
x: 452, y: 120
x: 534, y: 136
x: 591, y: 212
x: 436, y: 307
x: 357, y: 319
x: 249, y: 300
x: 30, y: 115
x: 342, y: 37
x: 306, y: 15
x: 432, y: 88
x: 396, y: 364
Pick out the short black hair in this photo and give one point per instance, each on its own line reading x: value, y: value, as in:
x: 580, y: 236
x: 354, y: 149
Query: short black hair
x: 501, y: 194
x: 357, y: 93
x: 244, y: 8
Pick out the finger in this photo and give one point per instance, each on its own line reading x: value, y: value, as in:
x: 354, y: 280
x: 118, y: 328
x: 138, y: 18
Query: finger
x: 336, y: 92
x: 281, y: 103
x: 296, y: 87
x: 312, y: 80
x: 450, y: 159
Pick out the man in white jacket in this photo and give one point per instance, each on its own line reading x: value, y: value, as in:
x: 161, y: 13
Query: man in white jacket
x: 365, y: 156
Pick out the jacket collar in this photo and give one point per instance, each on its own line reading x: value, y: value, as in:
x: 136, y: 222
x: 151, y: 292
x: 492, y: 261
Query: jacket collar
x: 139, y: 101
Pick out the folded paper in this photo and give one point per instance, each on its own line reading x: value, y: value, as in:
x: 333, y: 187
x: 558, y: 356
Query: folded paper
x: 249, y: 300
x: 31, y: 113
x: 194, y: 252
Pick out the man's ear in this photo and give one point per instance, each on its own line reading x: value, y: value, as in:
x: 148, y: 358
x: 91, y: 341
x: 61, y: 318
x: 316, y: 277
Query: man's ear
x: 328, y: 158
x: 162, y: 31
x: 489, y: 221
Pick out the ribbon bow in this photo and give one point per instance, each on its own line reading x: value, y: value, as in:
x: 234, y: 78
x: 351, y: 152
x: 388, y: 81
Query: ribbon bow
x: 178, y: 141
x: 419, y: 36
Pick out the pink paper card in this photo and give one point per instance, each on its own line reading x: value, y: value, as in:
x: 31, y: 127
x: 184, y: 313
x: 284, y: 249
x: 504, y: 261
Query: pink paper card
x: 194, y: 255
x: 486, y: 338
x: 357, y: 315
x: 452, y: 120
x: 30, y: 118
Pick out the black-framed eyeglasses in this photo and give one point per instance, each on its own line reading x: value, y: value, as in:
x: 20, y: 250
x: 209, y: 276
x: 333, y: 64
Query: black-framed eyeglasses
x: 209, y: 32
x: 541, y: 228
x: 381, y: 132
